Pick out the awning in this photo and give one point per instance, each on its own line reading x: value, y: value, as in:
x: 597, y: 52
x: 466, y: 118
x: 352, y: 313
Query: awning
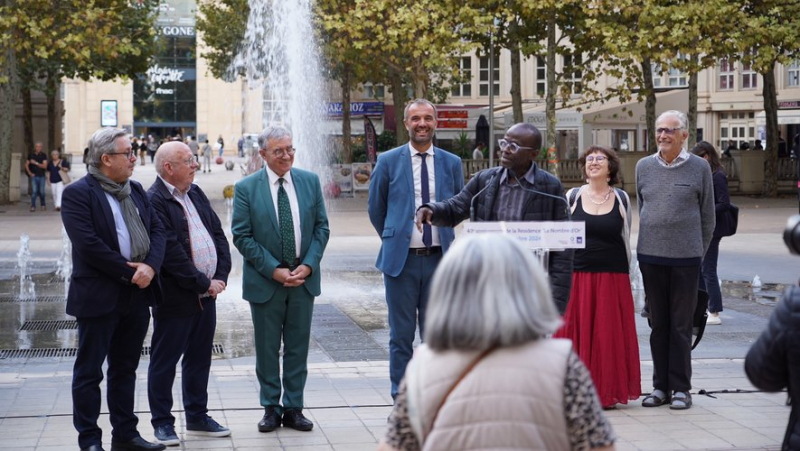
x: 613, y: 112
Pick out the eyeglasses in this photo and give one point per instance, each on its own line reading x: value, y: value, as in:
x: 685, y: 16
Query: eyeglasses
x: 597, y: 158
x: 668, y: 131
x: 187, y: 162
x: 514, y: 147
x: 130, y: 154
x: 285, y: 151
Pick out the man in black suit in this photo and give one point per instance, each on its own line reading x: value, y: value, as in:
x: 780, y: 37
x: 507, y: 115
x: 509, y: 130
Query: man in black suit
x: 117, y: 249
x: 195, y: 271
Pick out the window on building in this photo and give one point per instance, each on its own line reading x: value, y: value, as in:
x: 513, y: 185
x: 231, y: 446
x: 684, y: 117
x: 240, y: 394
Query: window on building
x: 374, y: 91
x: 793, y: 74
x: 463, y: 86
x: 483, y: 86
x: 656, y: 69
x: 749, y: 77
x: 573, y: 75
x: 541, y: 77
x: 727, y: 71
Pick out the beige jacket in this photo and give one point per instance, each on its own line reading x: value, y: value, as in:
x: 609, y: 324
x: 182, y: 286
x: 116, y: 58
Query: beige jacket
x: 513, y: 398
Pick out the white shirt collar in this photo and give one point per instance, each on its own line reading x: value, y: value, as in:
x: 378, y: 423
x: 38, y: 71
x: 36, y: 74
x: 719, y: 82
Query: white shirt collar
x: 415, y: 151
x: 273, y: 177
x: 172, y: 189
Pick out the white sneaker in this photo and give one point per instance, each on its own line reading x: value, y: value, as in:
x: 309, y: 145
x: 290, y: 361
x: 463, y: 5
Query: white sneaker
x: 713, y: 319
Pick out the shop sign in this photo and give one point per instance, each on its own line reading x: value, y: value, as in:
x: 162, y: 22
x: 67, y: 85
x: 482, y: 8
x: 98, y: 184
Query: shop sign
x: 177, y: 31
x: 356, y: 109
x: 788, y: 104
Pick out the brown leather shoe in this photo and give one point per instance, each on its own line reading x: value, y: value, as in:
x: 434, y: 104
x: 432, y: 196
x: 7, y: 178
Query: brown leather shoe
x: 294, y: 418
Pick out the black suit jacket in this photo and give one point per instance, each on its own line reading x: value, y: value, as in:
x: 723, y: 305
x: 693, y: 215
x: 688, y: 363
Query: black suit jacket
x: 100, y: 275
x: 537, y: 208
x: 181, y: 282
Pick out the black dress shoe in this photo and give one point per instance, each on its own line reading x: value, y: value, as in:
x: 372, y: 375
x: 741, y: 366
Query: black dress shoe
x: 270, y: 421
x: 293, y: 418
x: 137, y: 444
x: 93, y: 448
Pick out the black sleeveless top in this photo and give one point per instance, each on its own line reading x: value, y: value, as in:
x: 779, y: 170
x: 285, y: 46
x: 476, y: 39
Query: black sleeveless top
x: 605, y: 245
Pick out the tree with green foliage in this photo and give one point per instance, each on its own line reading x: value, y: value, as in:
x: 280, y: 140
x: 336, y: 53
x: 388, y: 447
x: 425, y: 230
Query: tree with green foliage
x: 44, y: 41
x: 768, y: 33
x: 222, y: 24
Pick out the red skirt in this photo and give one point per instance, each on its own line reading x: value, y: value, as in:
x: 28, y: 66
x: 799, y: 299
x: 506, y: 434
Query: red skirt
x: 599, y: 320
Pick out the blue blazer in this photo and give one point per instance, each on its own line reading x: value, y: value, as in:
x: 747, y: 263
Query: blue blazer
x: 391, y: 202
x: 256, y: 232
x: 100, y: 274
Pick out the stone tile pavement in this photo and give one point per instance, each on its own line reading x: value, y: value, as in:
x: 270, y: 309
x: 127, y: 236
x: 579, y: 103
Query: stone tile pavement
x: 349, y: 403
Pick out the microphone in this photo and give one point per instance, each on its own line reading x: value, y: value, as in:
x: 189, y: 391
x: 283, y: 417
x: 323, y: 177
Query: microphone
x: 562, y: 199
x: 472, y: 202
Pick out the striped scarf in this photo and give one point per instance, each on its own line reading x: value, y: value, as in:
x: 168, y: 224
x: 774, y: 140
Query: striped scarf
x: 140, y: 240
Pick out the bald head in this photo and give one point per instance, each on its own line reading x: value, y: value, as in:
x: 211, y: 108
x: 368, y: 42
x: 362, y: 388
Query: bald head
x: 168, y: 152
x: 176, y: 164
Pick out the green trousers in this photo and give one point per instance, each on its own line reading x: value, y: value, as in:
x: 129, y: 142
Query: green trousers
x: 287, y: 317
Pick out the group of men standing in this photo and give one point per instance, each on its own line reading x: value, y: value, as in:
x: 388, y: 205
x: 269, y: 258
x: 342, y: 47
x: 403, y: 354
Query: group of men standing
x: 165, y: 249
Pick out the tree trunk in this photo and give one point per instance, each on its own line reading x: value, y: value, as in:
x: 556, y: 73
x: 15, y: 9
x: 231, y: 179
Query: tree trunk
x: 771, y: 110
x: 550, y: 99
x: 347, y: 151
x: 692, y: 113
x: 8, y: 99
x: 399, y: 99
x: 27, y: 120
x: 51, y: 91
x: 516, y: 83
x: 649, y: 105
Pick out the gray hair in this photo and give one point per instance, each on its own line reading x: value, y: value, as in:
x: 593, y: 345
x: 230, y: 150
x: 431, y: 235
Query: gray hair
x: 487, y: 291
x: 418, y: 102
x: 270, y: 133
x: 679, y: 115
x: 103, y: 142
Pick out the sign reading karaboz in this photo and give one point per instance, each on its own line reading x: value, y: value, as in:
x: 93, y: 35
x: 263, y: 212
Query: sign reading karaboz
x: 356, y: 108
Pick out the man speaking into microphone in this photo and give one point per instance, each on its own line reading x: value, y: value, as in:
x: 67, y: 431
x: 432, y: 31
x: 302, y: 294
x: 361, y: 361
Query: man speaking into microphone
x: 519, y: 190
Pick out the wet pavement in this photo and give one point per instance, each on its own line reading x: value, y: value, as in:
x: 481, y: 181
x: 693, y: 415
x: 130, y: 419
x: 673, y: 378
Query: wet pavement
x: 347, y: 393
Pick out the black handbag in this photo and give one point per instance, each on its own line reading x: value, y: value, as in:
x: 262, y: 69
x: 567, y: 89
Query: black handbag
x: 731, y: 216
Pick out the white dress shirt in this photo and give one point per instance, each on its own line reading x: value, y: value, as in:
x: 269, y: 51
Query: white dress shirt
x: 123, y: 236
x: 288, y: 185
x: 416, y: 169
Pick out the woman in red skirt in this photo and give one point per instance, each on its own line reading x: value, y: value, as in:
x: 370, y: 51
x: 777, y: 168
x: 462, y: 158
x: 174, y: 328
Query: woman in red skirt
x: 600, y: 315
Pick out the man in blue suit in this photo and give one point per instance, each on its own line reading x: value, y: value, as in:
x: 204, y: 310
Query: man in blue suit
x: 117, y: 249
x: 281, y: 229
x: 405, y: 178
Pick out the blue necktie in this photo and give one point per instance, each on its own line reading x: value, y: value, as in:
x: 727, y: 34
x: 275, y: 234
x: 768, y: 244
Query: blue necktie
x: 287, y: 226
x: 427, y: 238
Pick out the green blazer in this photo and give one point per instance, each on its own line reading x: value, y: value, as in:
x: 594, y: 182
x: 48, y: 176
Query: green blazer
x: 256, y: 233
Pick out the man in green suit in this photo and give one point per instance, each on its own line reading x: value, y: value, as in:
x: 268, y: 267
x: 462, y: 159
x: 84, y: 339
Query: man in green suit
x: 280, y: 227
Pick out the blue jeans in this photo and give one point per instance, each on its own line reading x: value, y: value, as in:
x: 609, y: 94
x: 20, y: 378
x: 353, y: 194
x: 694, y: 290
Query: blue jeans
x: 38, y: 190
x: 709, y: 276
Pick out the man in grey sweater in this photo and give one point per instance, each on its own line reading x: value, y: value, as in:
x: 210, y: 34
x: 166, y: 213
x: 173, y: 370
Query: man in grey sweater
x: 676, y: 222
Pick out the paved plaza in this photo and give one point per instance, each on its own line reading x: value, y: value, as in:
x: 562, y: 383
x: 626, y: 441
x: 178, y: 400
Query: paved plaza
x: 347, y: 395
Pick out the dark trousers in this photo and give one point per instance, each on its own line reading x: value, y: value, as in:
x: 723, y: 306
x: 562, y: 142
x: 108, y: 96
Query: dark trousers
x: 709, y: 278
x: 286, y: 317
x: 191, y: 337
x: 672, y: 296
x: 407, y: 300
x: 118, y: 337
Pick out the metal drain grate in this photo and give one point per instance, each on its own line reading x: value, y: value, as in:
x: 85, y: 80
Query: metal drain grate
x: 70, y: 352
x: 50, y: 325
x: 14, y: 298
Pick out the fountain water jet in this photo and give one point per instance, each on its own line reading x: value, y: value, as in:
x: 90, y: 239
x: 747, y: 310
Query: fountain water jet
x: 27, y: 289
x: 64, y: 264
x: 280, y: 55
